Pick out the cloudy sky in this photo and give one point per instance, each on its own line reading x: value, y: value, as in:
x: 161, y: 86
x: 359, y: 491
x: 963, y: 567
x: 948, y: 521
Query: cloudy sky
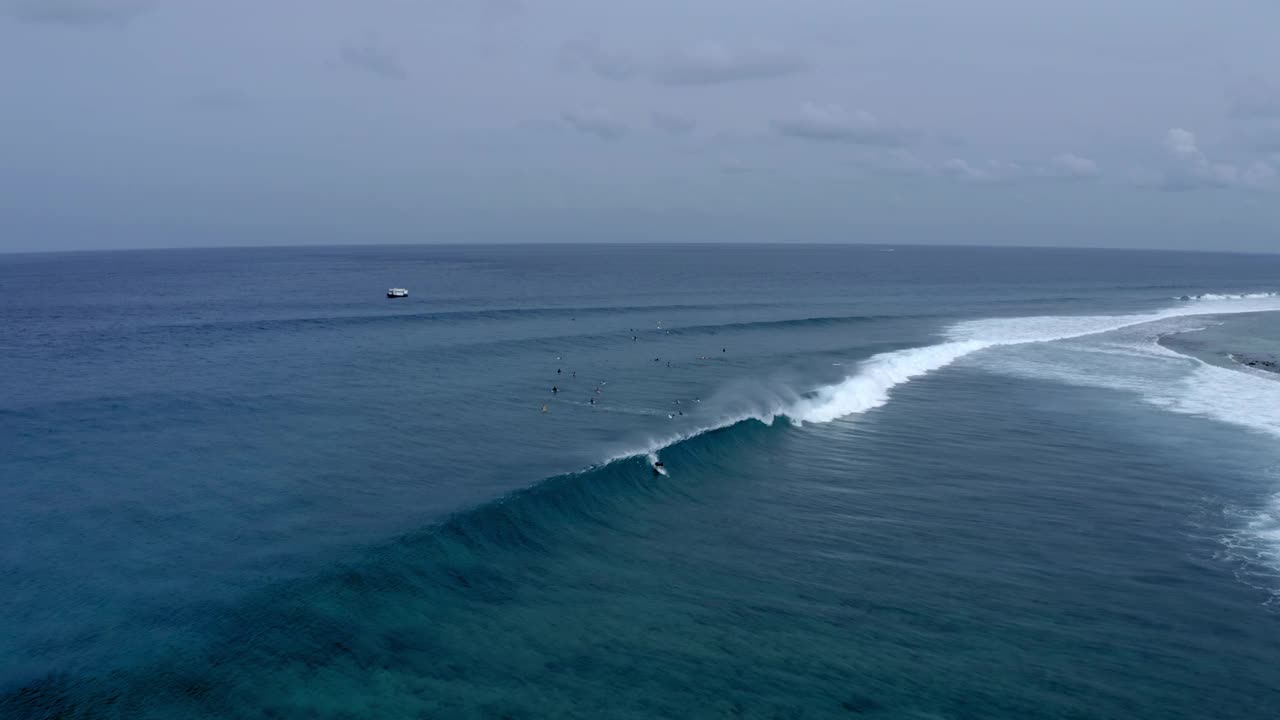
x: 141, y: 123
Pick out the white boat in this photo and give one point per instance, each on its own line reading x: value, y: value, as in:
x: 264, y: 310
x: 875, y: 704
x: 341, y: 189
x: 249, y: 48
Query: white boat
x: 397, y: 293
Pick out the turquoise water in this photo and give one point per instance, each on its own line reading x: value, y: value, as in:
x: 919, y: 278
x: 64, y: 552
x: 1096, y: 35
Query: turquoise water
x: 926, y: 483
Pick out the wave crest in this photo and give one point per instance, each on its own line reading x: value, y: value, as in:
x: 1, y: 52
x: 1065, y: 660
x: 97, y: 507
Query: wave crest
x: 1239, y: 296
x: 870, y: 386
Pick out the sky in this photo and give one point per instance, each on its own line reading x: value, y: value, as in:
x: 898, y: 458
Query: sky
x: 149, y: 123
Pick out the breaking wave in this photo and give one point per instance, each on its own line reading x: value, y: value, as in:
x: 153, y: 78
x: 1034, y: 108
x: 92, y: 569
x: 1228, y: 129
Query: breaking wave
x: 870, y: 386
x: 1241, y: 296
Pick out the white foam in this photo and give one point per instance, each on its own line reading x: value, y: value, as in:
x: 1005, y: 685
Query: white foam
x: 877, y: 376
x: 1136, y: 362
x: 1255, y: 547
x: 1229, y: 396
x: 1240, y: 296
x: 870, y: 386
x: 1114, y: 351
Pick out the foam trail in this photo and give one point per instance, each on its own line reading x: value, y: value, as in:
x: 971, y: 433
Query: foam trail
x: 1236, y: 397
x: 1256, y: 547
x: 870, y: 387
x: 1240, y: 296
x: 877, y: 376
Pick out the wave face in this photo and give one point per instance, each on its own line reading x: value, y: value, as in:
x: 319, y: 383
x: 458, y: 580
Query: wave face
x: 607, y: 591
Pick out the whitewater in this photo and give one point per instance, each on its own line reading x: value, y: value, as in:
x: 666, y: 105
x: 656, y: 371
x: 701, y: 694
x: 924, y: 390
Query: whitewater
x: 870, y: 387
x: 1133, y: 360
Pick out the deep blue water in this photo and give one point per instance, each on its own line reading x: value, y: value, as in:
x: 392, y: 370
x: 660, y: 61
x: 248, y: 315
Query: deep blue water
x: 933, y: 483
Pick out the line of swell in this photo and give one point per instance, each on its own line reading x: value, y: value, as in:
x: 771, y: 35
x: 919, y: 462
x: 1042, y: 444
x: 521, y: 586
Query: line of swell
x: 463, y: 315
x: 212, y: 332
x: 824, y: 321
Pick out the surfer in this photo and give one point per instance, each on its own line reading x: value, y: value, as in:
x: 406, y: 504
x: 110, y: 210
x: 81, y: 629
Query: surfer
x: 658, y: 467
x: 554, y: 389
x: 557, y: 371
x: 593, y: 401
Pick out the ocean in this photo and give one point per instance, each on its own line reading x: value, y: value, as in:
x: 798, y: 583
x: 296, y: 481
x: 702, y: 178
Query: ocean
x: 937, y: 483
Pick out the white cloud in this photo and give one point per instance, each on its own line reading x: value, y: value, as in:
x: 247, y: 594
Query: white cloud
x: 590, y: 54
x: 595, y: 121
x: 911, y: 161
x: 713, y: 63
x: 893, y: 161
x: 222, y: 99
x: 1067, y: 166
x: 1190, y: 168
x: 990, y: 171
x: 1070, y: 166
x: 1181, y: 142
x: 736, y: 166
x: 75, y: 13
x: 834, y: 124
x: 905, y: 162
x: 701, y: 64
x: 674, y: 123
x: 371, y: 57
x: 1255, y: 98
x: 1265, y: 141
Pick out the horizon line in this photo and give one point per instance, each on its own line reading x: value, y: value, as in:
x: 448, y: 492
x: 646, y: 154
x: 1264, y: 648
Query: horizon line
x: 692, y: 243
